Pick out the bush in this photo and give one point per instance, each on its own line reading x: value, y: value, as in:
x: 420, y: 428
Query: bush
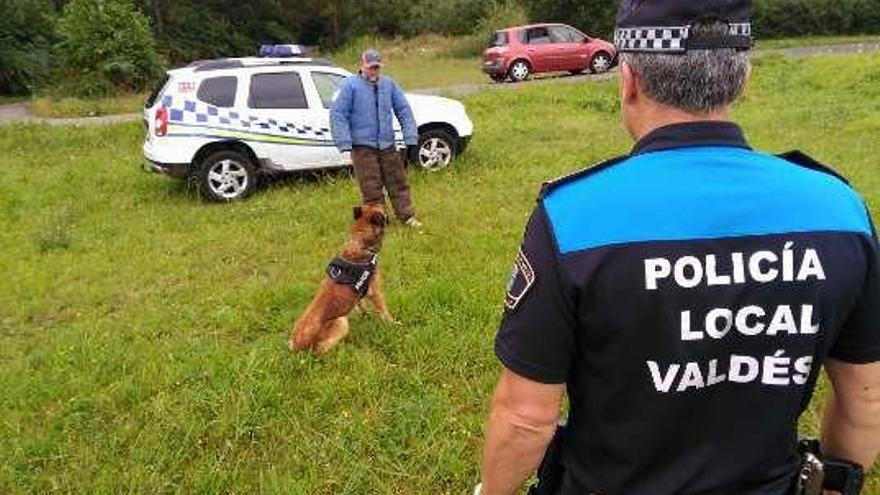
x: 25, y: 40
x: 594, y: 17
x: 792, y: 18
x: 500, y: 16
x: 106, y: 46
x: 451, y: 17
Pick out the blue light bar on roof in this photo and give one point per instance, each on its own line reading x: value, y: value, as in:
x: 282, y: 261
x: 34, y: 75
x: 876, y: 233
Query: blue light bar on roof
x: 283, y: 50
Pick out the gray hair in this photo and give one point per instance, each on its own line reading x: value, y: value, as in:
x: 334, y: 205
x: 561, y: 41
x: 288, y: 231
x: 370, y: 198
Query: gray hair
x: 698, y: 81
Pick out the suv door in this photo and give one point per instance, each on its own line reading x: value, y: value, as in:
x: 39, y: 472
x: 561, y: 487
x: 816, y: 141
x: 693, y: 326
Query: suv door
x: 291, y: 132
x: 570, y: 49
x: 326, y: 84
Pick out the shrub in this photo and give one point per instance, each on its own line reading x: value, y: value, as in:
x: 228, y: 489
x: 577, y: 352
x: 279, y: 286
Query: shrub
x: 106, y: 45
x: 25, y: 39
x: 500, y: 16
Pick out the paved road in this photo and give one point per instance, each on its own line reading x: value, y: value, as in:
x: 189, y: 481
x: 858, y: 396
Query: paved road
x: 18, y: 112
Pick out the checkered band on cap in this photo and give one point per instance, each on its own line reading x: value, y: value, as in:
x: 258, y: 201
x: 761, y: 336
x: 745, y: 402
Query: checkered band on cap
x: 669, y: 39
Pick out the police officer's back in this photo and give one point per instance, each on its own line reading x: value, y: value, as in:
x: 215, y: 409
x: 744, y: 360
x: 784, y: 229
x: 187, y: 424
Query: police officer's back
x: 686, y: 295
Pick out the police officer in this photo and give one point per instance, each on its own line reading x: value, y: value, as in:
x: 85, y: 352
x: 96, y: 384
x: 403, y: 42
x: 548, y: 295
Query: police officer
x: 686, y: 295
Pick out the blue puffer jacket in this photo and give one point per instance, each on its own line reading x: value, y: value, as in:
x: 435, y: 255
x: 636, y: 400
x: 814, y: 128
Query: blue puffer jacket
x: 361, y: 114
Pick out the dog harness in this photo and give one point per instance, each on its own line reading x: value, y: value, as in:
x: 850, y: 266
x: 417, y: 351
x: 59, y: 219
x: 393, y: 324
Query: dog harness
x: 356, y: 275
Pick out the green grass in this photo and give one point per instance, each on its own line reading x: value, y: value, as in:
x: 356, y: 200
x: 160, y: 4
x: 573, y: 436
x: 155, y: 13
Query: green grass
x: 427, y: 61
x: 772, y: 44
x: 50, y: 107
x: 143, y: 333
x: 7, y: 99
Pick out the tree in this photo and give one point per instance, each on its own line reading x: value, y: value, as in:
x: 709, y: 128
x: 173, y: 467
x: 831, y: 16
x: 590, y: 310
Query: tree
x: 594, y: 17
x: 105, y: 45
x: 26, y: 35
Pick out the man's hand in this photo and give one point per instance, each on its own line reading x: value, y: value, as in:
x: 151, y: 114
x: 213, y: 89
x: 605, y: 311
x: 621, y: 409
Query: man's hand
x: 521, y: 424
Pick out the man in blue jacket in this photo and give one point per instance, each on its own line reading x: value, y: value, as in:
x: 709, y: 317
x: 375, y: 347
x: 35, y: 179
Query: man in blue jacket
x: 361, y: 123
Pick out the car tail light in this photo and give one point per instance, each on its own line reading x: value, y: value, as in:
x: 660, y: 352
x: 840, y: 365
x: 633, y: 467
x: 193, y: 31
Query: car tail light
x: 162, y: 121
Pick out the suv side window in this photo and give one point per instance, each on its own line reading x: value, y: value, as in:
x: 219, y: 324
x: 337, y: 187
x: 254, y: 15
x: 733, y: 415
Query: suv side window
x: 277, y: 90
x: 327, y: 85
x: 538, y: 36
x: 218, y: 91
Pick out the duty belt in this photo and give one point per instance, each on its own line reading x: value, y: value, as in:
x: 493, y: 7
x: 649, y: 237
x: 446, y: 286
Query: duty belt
x: 356, y: 275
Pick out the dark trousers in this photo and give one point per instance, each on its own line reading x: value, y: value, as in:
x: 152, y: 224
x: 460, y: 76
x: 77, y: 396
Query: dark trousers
x: 380, y: 170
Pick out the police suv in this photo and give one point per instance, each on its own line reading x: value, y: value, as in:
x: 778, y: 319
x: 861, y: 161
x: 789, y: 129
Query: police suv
x: 223, y: 122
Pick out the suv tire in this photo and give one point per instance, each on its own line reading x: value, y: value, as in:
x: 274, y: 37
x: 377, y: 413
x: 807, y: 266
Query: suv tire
x: 225, y: 176
x: 436, y: 150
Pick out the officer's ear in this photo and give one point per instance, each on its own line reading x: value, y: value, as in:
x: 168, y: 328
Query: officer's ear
x: 629, y: 84
x: 358, y: 212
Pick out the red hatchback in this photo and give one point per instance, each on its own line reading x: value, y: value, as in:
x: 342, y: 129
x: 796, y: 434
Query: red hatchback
x: 519, y: 52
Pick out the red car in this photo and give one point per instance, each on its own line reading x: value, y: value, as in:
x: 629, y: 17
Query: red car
x: 519, y: 52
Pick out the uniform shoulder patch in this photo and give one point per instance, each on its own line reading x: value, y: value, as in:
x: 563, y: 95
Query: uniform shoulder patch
x: 522, y: 277
x: 800, y: 158
x: 548, y: 186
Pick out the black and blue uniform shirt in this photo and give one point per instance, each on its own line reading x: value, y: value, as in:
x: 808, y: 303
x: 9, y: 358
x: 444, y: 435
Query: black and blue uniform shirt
x: 687, y: 294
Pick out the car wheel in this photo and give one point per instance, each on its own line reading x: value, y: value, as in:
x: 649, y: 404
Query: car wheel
x: 436, y: 150
x: 600, y: 63
x: 226, y: 176
x: 519, y: 71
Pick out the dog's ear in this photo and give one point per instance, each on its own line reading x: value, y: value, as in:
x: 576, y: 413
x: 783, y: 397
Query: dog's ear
x: 358, y: 212
x: 379, y: 219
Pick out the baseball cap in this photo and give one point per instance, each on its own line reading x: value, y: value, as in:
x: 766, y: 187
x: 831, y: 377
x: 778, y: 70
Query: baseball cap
x: 371, y: 58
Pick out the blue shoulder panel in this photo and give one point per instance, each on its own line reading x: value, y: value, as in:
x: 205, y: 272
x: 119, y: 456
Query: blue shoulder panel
x: 699, y: 193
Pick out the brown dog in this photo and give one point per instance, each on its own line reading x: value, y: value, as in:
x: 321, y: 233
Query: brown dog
x: 351, y: 276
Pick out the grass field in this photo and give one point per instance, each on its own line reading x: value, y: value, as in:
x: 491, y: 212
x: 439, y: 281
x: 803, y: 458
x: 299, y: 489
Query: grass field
x: 49, y: 107
x: 143, y: 333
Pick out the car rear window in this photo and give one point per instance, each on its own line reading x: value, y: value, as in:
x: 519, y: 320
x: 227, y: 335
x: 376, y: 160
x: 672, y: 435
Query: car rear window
x: 499, y: 38
x: 218, y: 91
x: 277, y: 90
x: 157, y: 91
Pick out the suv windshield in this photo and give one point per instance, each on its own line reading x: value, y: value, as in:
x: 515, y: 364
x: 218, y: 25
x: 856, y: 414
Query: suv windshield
x: 498, y: 38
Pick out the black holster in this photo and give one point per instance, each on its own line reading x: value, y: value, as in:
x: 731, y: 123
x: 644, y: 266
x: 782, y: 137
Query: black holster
x: 843, y: 476
x: 551, y: 472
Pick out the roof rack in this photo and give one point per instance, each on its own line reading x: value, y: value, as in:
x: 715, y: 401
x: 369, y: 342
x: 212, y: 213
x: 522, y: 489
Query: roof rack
x: 235, y: 63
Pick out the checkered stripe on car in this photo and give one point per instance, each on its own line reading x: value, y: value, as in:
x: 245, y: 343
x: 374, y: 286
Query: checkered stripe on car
x: 665, y: 38
x: 194, y: 112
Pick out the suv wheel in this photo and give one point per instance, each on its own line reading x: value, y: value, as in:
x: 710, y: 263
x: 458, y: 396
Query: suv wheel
x: 436, y: 150
x: 520, y: 71
x: 600, y: 63
x: 226, y: 176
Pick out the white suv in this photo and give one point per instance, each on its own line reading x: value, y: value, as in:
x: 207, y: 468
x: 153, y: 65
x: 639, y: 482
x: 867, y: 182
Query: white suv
x: 222, y: 122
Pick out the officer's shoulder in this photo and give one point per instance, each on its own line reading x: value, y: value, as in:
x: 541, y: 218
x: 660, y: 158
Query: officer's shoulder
x: 804, y: 160
x: 581, y: 175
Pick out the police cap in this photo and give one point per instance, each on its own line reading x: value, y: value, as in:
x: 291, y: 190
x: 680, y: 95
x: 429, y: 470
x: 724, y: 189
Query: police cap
x: 663, y: 26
